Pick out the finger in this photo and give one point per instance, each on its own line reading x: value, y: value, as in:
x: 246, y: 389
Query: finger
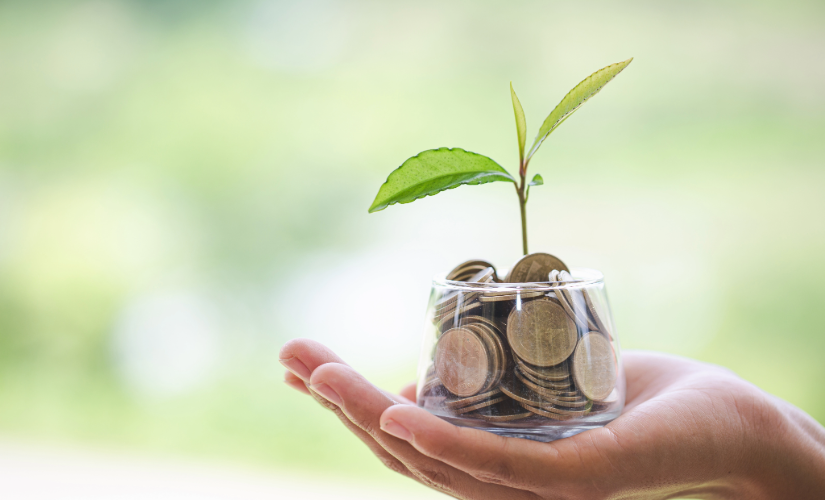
x: 301, y: 356
x: 408, y: 392
x: 385, y: 457
x: 363, y: 404
x: 304, y: 356
x: 292, y: 381
x: 519, y: 463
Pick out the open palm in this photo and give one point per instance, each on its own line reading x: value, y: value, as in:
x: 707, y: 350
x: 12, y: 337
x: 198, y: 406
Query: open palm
x: 688, y: 429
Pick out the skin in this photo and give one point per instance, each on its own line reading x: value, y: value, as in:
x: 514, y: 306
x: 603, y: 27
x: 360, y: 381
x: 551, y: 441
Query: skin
x: 689, y: 429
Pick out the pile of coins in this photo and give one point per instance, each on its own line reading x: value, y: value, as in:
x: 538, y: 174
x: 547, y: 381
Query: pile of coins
x: 521, y: 352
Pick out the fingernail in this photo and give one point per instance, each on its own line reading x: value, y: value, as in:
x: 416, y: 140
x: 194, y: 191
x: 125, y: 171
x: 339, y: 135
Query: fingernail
x: 297, y: 367
x: 327, y: 392
x: 397, y: 430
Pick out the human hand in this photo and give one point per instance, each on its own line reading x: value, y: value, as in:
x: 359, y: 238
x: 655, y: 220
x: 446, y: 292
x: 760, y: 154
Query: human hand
x: 688, y: 429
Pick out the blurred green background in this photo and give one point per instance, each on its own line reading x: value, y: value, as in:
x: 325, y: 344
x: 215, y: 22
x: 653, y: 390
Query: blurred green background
x: 184, y: 186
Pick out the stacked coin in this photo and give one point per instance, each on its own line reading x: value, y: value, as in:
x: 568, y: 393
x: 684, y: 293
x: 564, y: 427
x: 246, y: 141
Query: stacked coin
x: 457, y: 303
x: 521, y: 352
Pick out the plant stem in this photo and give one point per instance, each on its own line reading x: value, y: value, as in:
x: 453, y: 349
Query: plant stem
x: 522, y: 201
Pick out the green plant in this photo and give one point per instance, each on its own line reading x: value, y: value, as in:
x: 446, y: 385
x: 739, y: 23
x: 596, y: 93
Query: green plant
x: 436, y: 170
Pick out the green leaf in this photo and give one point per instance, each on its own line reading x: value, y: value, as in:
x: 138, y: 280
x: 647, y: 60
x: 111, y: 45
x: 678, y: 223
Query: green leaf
x: 521, y: 124
x: 537, y: 181
x: 436, y: 170
x: 586, y: 89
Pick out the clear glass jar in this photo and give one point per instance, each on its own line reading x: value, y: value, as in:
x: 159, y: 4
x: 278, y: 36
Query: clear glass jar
x: 531, y: 360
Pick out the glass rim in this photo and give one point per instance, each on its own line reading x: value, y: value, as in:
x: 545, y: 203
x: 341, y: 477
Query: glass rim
x: 582, y: 277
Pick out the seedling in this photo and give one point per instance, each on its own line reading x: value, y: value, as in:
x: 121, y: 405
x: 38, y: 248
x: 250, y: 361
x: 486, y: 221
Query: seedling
x: 436, y: 170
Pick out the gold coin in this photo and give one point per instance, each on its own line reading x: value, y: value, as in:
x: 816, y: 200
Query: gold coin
x: 432, y: 388
x: 494, y: 356
x: 539, y: 384
x: 541, y: 333
x: 481, y: 319
x: 471, y: 272
x: 476, y: 406
x: 506, y: 411
x: 454, y: 299
x: 605, y: 403
x: 594, y: 366
x: 487, y: 297
x: 461, y: 402
x: 535, y: 267
x: 590, y: 300
x: 455, y: 313
x: 500, y: 418
x: 575, y: 304
x: 548, y: 414
x: 532, y: 389
x: 558, y: 373
x: 483, y: 276
x: 553, y: 416
x: 461, y: 268
x: 519, y: 392
x: 497, y: 347
x: 566, y: 408
x: 462, y: 362
x: 567, y: 309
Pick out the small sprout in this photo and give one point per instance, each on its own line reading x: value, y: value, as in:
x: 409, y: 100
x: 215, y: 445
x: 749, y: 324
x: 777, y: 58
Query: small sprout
x: 436, y: 170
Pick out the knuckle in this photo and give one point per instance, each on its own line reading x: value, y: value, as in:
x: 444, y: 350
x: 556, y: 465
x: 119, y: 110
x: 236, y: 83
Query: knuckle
x: 368, y: 427
x: 393, y: 464
x: 324, y: 402
x: 434, y: 478
x: 496, y: 472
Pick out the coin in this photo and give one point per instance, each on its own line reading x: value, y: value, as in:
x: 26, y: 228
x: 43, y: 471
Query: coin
x: 506, y: 411
x: 461, y: 402
x: 567, y: 402
x: 568, y: 300
x: 517, y: 391
x: 514, y: 352
x: 429, y: 385
x: 541, y: 333
x: 456, y: 312
x: 606, y: 402
x: 547, y: 414
x: 565, y: 408
x: 461, y: 362
x: 574, y: 304
x: 541, y: 384
x: 481, y: 319
x: 500, y: 418
x: 544, y: 412
x: 461, y: 269
x: 590, y: 299
x: 534, y: 268
x: 476, y: 406
x: 556, y: 373
x: 488, y: 297
x: 452, y: 322
x: 452, y: 299
x: 494, y: 356
x: 594, y: 366
x: 455, y: 299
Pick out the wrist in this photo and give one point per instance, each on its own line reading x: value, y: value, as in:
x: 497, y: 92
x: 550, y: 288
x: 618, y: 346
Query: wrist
x: 786, y: 451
